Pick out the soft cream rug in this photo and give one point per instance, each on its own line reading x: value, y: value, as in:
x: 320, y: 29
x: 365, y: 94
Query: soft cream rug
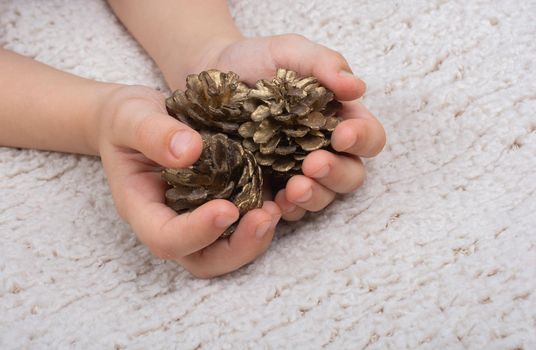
x: 437, y: 250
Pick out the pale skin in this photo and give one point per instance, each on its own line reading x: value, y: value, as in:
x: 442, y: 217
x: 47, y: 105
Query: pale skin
x: 128, y: 127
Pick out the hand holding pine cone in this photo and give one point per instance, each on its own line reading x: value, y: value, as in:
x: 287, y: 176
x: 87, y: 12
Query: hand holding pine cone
x: 273, y: 125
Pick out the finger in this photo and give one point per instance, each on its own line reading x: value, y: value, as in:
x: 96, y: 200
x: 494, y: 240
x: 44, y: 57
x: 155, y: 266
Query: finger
x: 251, y: 238
x: 308, y: 194
x: 142, y: 124
x: 290, y: 211
x: 340, y: 174
x: 171, y: 236
x: 360, y: 133
x: 355, y: 109
x: 297, y: 53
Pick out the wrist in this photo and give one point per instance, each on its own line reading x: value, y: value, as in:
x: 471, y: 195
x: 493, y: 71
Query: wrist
x: 93, y: 125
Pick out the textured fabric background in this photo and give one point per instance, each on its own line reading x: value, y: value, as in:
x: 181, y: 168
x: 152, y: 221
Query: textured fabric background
x: 437, y: 250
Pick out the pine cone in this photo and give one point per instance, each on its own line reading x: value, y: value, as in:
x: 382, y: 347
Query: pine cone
x: 294, y: 116
x: 213, y: 100
x: 224, y: 170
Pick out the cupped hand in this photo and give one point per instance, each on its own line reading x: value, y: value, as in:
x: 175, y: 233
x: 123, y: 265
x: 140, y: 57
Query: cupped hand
x: 358, y: 135
x: 136, y: 139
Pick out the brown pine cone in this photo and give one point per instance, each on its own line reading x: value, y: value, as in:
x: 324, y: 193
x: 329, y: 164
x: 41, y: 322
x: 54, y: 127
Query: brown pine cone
x: 213, y: 100
x: 293, y: 117
x: 225, y: 170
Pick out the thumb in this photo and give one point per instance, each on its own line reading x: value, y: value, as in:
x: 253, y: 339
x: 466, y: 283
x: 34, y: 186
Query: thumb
x: 167, y: 141
x: 143, y: 125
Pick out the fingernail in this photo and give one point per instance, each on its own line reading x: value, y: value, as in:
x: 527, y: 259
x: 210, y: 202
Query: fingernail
x: 305, y: 197
x: 263, y: 228
x: 180, y: 142
x: 275, y: 220
x: 346, y: 74
x: 223, y: 221
x: 322, y: 172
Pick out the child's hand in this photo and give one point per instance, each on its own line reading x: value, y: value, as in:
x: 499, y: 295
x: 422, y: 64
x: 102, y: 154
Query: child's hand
x: 136, y: 137
x: 359, y: 135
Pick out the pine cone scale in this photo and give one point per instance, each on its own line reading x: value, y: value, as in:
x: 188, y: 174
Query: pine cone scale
x: 314, y: 120
x: 298, y: 131
x: 311, y: 143
x: 283, y: 165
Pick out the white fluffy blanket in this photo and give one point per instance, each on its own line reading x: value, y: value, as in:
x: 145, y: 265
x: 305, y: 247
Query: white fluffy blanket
x: 437, y: 250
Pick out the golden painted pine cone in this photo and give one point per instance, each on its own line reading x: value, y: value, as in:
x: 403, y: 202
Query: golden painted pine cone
x: 225, y: 170
x: 213, y: 100
x: 294, y: 116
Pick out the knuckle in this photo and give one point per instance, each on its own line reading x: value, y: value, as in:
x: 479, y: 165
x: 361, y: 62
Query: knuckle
x: 282, y: 43
x: 141, y: 129
x: 124, y: 104
x: 338, y: 56
x: 145, y: 129
x: 335, y: 56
